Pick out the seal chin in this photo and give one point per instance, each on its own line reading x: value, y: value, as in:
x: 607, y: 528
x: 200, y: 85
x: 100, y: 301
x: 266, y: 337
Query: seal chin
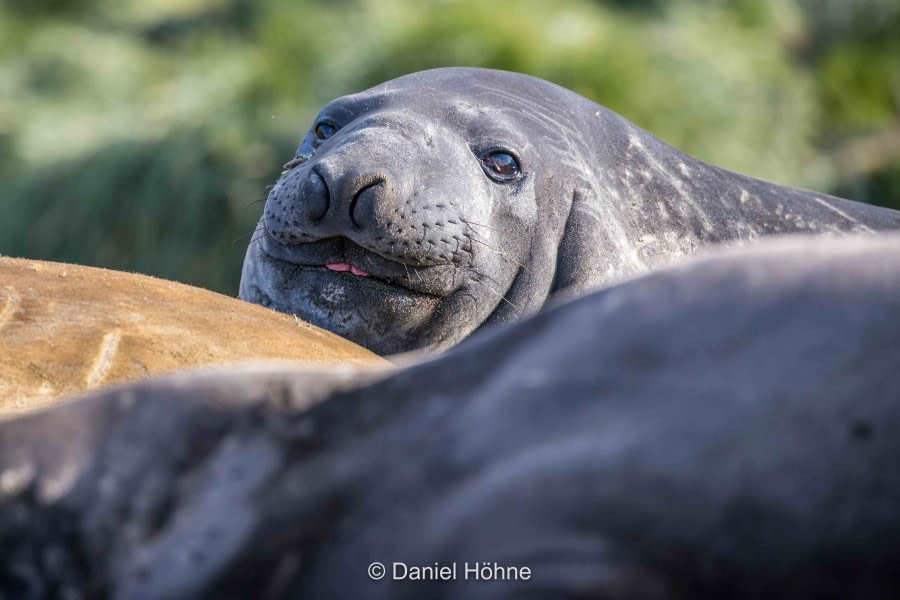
x: 361, y: 308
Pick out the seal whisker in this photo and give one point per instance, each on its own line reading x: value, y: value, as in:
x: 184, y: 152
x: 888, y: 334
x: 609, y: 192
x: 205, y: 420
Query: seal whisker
x: 234, y: 241
x: 256, y: 239
x: 259, y: 237
x: 480, y: 274
x: 252, y: 202
x: 265, y: 228
x: 255, y: 230
x: 504, y: 255
x: 244, y: 212
x: 495, y: 292
x: 499, y: 251
x: 470, y: 223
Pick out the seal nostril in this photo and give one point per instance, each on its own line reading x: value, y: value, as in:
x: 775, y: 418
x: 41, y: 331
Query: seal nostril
x: 315, y: 196
x: 363, y: 190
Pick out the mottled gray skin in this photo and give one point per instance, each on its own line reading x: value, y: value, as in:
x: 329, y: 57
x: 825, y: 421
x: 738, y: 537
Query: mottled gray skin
x: 399, y: 191
x: 729, y: 428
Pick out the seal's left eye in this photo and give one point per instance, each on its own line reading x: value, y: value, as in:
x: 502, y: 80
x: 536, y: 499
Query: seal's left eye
x: 500, y: 165
x: 324, y: 131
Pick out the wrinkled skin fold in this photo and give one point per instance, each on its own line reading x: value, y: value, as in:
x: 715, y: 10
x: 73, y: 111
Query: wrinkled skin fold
x: 728, y: 428
x: 393, y: 182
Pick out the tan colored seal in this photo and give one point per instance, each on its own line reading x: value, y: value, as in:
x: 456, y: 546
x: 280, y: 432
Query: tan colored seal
x: 65, y: 329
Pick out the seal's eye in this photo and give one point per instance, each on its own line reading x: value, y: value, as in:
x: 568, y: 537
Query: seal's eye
x: 500, y: 165
x: 324, y: 131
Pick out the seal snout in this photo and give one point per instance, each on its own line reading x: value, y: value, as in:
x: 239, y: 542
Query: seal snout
x: 329, y: 199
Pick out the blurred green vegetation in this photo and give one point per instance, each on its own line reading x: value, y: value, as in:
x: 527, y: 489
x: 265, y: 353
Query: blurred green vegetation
x: 137, y: 135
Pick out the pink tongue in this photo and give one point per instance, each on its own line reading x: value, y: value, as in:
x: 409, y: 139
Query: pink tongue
x: 344, y: 267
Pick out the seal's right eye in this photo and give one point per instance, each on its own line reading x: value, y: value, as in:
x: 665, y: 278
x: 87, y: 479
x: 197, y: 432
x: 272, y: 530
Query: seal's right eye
x: 324, y: 131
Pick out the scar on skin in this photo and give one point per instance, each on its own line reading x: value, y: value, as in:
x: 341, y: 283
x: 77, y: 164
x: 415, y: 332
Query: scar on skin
x: 104, y: 359
x: 8, y: 304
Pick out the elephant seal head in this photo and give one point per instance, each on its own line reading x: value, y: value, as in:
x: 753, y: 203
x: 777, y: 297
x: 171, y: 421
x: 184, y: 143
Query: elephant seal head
x: 419, y: 210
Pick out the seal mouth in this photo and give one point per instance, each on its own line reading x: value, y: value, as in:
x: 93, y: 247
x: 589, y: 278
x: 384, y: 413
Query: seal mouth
x: 343, y: 257
x: 344, y: 267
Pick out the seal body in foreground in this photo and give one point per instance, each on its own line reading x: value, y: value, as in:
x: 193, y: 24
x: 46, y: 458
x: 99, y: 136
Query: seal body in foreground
x: 427, y: 207
x: 734, y: 433
x: 66, y: 329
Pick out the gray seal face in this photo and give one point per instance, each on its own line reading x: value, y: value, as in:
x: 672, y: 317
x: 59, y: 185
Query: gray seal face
x: 432, y: 205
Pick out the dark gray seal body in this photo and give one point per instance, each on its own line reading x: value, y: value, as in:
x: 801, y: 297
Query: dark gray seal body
x: 425, y: 208
x: 729, y: 428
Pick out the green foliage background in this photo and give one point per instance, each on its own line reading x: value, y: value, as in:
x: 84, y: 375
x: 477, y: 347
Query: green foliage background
x: 136, y: 135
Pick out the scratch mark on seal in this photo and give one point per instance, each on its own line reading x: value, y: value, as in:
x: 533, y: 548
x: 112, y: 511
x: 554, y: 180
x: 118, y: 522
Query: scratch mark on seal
x: 104, y: 359
x: 840, y: 212
x: 7, y: 308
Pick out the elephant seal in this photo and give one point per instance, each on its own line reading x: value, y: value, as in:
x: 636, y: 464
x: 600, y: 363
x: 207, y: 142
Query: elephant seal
x: 733, y: 433
x: 422, y: 209
x: 66, y: 329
